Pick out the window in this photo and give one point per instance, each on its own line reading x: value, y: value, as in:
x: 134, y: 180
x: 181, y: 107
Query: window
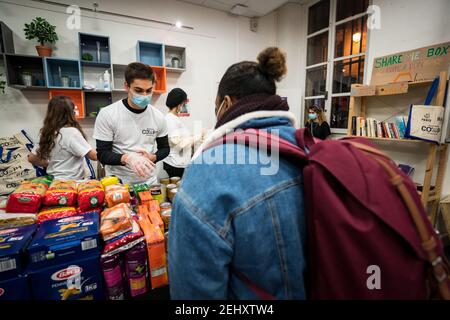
x: 336, y: 49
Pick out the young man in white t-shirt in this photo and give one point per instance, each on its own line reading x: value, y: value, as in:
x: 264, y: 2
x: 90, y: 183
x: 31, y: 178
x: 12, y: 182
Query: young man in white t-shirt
x: 131, y: 134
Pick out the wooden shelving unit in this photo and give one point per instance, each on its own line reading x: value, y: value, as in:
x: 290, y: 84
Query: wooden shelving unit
x: 367, y: 101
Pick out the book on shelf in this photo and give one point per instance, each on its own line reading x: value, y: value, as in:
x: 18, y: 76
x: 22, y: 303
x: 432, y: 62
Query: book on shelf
x: 372, y: 128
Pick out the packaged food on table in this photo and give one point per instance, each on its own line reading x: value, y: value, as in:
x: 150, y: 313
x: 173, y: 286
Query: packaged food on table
x: 55, y: 213
x: 174, y: 180
x: 136, y: 267
x: 156, y: 192
x: 138, y: 188
x: 153, y: 205
x: 112, y: 267
x: 166, y: 212
x: 123, y: 240
x: 172, y: 194
x: 116, y: 194
x: 155, y: 219
x: 116, y: 221
x: 154, y: 239
x: 96, y: 210
x: 27, y: 198
x: 14, y: 220
x: 165, y: 181
x: 91, y: 195
x: 47, y: 180
x: 145, y: 197
x: 109, y: 181
x: 61, y: 193
x: 3, y: 202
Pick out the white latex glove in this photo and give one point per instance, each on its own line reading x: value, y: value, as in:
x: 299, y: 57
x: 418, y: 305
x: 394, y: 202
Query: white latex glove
x: 140, y: 165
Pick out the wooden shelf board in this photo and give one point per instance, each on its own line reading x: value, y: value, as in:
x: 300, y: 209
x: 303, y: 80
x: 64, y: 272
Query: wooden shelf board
x: 175, y: 70
x: 391, y: 140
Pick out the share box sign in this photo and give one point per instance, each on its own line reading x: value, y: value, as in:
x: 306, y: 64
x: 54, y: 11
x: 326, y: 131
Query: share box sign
x: 415, y: 65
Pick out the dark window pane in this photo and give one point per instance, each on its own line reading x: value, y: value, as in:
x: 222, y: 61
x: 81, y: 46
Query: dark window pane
x: 317, y: 49
x: 351, y: 37
x: 319, y: 16
x: 347, y: 72
x: 320, y: 102
x: 339, y: 112
x: 315, y: 81
x: 348, y: 8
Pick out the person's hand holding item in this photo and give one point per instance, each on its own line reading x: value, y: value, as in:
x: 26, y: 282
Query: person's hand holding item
x: 140, y: 164
x: 148, y: 155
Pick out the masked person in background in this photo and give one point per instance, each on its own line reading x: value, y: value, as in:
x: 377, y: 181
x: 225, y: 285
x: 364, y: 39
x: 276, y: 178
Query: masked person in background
x: 131, y: 134
x: 316, y: 123
x: 180, y: 139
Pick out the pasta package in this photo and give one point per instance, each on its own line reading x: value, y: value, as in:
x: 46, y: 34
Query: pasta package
x: 27, y: 198
x: 55, y: 213
x: 61, y: 193
x: 91, y: 195
x: 116, y: 194
x: 116, y: 221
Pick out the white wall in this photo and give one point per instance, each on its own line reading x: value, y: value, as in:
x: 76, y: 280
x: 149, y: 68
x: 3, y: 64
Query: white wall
x: 217, y: 41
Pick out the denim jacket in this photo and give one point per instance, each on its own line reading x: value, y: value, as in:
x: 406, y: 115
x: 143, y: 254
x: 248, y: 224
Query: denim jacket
x: 232, y: 215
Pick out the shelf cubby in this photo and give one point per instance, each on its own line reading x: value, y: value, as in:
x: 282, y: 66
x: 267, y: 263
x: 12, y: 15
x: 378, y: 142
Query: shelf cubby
x: 150, y: 53
x: 6, y: 39
x: 16, y: 64
x: 92, y: 74
x: 118, y: 72
x: 171, y: 52
x: 160, y: 80
x: 56, y: 68
x: 94, y: 101
x: 97, y: 46
x: 76, y: 96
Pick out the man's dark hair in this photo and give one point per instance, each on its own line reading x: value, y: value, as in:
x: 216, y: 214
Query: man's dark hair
x: 137, y: 70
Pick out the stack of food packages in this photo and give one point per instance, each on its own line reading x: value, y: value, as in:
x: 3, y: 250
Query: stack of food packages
x: 134, y: 224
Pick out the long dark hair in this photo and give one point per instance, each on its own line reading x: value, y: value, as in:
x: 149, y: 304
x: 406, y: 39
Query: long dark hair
x: 60, y: 113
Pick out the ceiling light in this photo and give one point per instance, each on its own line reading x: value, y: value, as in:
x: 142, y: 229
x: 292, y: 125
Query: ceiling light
x: 178, y: 24
x: 357, y: 37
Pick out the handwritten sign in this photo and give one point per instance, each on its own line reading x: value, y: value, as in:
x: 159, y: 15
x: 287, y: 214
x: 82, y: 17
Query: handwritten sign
x: 415, y: 65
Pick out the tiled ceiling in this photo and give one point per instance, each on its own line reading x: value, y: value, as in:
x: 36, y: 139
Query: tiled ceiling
x: 256, y: 8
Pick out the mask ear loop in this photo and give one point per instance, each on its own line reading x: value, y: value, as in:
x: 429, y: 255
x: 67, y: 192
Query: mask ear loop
x: 220, y: 108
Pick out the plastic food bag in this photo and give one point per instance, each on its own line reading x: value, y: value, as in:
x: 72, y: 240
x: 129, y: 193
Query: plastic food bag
x: 47, y: 180
x: 116, y: 221
x: 90, y: 195
x: 14, y: 220
x: 55, y: 213
x: 27, y: 198
x: 116, y: 194
x: 61, y: 193
x: 124, y: 239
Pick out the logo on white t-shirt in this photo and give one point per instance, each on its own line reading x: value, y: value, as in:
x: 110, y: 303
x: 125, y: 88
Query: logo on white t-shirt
x: 149, y: 132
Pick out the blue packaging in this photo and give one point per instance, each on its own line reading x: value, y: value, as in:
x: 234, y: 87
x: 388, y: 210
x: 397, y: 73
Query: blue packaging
x: 13, y: 242
x: 64, y: 240
x: 15, y: 289
x: 77, y: 280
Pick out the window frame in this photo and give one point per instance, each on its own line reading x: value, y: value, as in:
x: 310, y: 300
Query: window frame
x: 331, y: 29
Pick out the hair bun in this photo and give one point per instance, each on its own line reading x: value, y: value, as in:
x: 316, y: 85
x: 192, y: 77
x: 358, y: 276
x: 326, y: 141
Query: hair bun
x: 272, y: 62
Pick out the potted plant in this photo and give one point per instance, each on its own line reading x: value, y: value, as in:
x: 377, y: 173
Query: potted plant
x: 44, y: 32
x: 2, y: 84
x: 87, y: 57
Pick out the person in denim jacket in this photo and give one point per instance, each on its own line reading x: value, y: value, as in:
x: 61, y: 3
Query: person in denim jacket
x: 240, y: 209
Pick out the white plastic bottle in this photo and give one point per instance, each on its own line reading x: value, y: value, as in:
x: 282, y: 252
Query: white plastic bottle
x: 106, y: 81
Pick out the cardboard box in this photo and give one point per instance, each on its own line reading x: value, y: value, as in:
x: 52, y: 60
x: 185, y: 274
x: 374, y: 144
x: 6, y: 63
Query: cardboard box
x: 65, y: 240
x: 76, y: 280
x: 15, y: 289
x: 13, y: 242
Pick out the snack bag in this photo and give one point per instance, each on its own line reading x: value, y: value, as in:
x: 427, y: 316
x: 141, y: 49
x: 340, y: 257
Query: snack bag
x: 115, y: 221
x: 116, y: 194
x: 47, y: 180
x: 61, y: 193
x: 55, y: 213
x: 136, y: 266
x: 91, y: 195
x: 109, y: 181
x: 112, y: 273
x: 27, y: 198
x: 124, y: 239
x: 156, y: 250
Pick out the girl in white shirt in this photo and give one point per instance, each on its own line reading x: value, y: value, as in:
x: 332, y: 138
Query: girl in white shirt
x: 180, y: 139
x: 62, y: 144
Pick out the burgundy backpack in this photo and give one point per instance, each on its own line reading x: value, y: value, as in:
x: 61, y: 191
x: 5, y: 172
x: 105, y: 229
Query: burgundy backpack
x: 368, y: 235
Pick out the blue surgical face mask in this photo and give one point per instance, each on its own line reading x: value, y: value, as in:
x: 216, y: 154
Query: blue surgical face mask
x: 141, y: 101
x: 312, y: 116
